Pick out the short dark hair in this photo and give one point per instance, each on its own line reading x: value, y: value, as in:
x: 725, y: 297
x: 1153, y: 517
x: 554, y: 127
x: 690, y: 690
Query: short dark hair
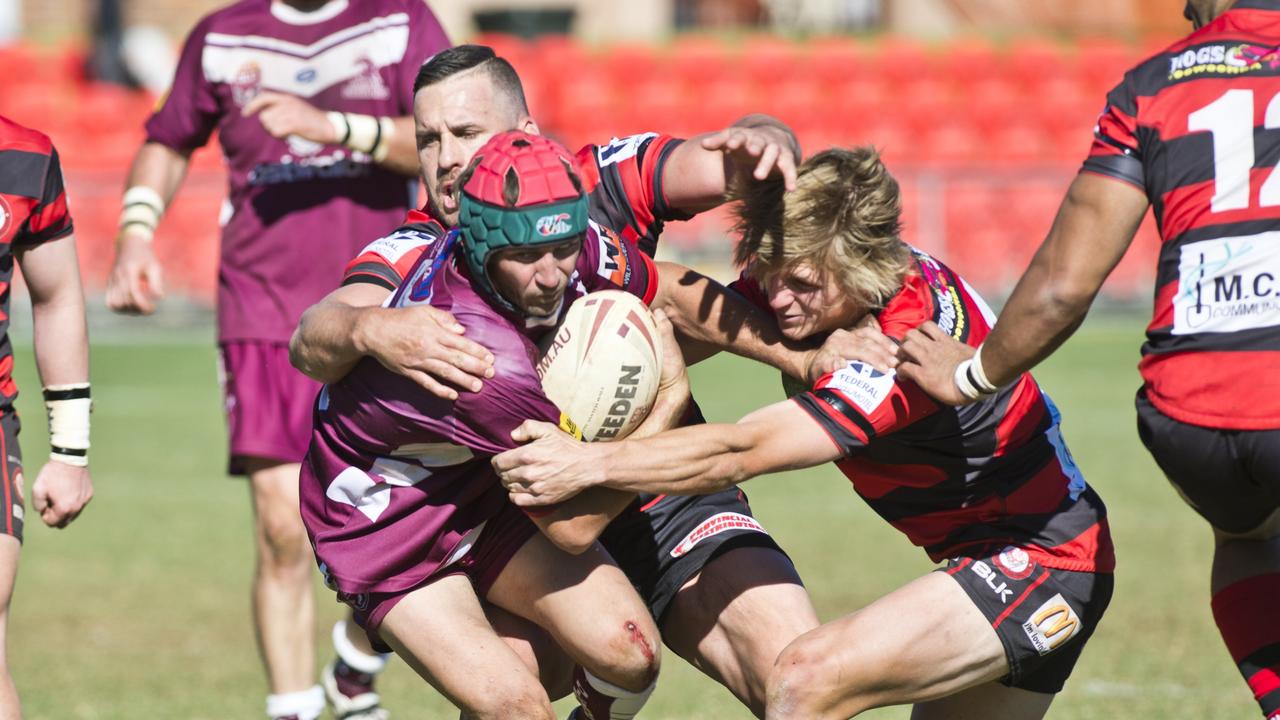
x: 447, y: 63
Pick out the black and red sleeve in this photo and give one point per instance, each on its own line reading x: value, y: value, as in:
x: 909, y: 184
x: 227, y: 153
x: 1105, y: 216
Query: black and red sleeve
x: 1116, y: 151
x: 49, y: 219
x: 627, y: 192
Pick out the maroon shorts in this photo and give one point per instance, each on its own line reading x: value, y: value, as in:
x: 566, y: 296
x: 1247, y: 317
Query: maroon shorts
x: 503, y: 535
x: 268, y: 403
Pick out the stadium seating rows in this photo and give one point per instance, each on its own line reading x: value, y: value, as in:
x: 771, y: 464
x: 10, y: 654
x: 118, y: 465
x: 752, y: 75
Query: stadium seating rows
x: 983, y: 121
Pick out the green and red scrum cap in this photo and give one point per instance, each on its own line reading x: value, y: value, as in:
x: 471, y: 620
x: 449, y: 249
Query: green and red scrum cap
x: 523, y: 191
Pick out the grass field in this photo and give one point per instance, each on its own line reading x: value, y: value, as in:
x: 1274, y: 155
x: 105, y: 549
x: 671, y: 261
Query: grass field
x: 140, y: 609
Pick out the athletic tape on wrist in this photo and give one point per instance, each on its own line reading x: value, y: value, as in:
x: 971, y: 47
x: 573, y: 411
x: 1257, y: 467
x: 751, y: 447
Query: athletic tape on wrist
x: 364, y: 133
x: 964, y: 382
x: 980, y: 380
x: 142, y: 209
x: 69, y: 407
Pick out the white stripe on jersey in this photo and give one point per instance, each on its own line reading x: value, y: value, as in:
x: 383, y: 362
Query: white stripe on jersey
x: 333, y: 60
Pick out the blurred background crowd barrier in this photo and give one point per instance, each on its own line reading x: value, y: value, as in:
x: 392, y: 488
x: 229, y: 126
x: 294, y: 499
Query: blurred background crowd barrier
x: 983, y: 129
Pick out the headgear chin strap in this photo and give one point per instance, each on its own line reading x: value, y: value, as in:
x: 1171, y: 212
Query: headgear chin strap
x: 548, y: 206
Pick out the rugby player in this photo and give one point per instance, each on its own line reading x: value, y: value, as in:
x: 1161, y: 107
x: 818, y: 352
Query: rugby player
x: 1188, y: 133
x: 36, y: 231
x: 991, y: 489
x: 311, y: 102
x: 409, y: 523
x: 728, y: 602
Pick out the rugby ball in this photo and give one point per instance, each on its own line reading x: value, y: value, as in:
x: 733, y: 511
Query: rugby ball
x: 602, y: 364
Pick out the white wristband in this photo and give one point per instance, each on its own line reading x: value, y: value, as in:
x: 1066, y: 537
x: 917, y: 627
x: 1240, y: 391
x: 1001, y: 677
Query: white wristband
x: 143, y: 208
x: 364, y: 133
x: 69, y: 407
x: 980, y: 375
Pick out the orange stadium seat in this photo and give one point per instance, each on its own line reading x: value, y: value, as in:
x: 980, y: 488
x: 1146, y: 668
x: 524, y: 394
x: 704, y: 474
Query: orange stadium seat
x: 901, y: 60
x: 771, y: 61
x: 968, y: 61
x: 1031, y: 61
x: 835, y: 60
x: 701, y: 61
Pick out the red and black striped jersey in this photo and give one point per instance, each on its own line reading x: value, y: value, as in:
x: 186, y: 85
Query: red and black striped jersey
x: 33, y: 210
x: 624, y: 182
x: 965, y: 481
x: 1197, y: 128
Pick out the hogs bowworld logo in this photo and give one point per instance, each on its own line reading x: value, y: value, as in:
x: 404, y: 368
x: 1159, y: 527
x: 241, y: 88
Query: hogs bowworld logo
x: 549, y: 225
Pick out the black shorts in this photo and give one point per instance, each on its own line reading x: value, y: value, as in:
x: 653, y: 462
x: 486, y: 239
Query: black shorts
x: 1043, y: 616
x: 11, y: 473
x: 1230, y: 477
x: 662, y: 541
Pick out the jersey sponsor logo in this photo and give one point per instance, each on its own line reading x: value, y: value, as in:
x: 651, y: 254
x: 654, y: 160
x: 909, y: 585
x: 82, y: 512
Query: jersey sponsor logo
x: 568, y: 425
x: 1222, y: 59
x: 306, y: 75
x: 367, y: 85
x: 1014, y: 562
x: 1052, y: 624
x: 863, y: 385
x: 549, y: 225
x: 714, y: 525
x: 396, y: 245
x: 986, y: 572
x: 950, y: 307
x: 614, y: 265
x: 620, y: 149
x: 1228, y: 284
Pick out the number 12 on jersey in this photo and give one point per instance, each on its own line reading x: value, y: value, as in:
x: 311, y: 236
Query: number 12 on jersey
x: 1230, y: 120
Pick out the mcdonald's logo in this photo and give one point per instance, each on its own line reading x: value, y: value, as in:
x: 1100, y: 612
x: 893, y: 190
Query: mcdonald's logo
x: 1051, y: 625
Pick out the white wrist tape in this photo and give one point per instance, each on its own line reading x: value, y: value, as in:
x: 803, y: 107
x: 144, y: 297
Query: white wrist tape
x: 364, y: 133
x: 980, y: 376
x: 69, y: 407
x: 143, y: 208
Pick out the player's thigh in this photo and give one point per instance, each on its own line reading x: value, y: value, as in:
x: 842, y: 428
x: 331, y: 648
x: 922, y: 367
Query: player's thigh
x: 536, y: 649
x: 737, y: 614
x: 9, y: 551
x: 441, y: 630
x: 584, y: 601
x: 1231, y: 478
x: 985, y: 701
x: 922, y: 641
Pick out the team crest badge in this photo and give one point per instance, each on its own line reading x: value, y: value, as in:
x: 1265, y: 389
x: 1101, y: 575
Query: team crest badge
x: 1014, y: 563
x: 367, y: 84
x: 246, y: 83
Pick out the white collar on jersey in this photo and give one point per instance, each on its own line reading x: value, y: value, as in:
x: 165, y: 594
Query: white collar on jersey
x: 289, y: 14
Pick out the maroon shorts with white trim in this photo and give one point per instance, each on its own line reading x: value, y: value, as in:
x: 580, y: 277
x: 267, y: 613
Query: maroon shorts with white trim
x: 1043, y: 616
x: 502, y: 536
x: 11, y: 473
x: 268, y: 403
x: 663, y: 541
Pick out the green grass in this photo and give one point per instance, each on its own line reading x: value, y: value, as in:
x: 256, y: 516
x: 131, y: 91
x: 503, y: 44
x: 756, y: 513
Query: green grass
x: 141, y: 609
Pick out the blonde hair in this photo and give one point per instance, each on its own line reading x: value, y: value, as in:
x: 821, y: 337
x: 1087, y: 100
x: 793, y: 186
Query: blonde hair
x: 843, y: 219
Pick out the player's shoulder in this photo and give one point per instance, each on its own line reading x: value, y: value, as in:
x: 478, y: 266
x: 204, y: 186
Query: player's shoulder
x: 16, y: 136
x: 418, y: 233
x: 232, y: 17
x: 933, y: 291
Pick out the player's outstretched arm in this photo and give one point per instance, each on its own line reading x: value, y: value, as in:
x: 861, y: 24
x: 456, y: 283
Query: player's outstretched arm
x: 691, y: 460
x: 711, y: 318
x: 702, y: 172
x: 1093, y: 229
x: 423, y: 343
x: 135, y: 283
x: 388, y: 140
x: 63, y: 486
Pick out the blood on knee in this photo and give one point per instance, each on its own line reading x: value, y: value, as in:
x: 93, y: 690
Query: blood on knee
x: 646, y: 648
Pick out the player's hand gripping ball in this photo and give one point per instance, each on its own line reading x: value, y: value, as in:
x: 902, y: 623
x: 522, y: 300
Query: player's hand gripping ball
x: 602, y: 365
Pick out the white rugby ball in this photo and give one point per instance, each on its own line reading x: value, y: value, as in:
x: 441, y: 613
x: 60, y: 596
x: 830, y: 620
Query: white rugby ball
x: 602, y: 365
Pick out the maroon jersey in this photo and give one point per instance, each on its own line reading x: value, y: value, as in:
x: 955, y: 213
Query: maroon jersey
x: 397, y: 482
x: 966, y: 481
x: 33, y: 210
x: 296, y: 210
x: 1194, y: 127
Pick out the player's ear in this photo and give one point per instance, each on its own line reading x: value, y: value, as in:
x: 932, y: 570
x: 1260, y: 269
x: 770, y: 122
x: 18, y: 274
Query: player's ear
x: 529, y: 125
